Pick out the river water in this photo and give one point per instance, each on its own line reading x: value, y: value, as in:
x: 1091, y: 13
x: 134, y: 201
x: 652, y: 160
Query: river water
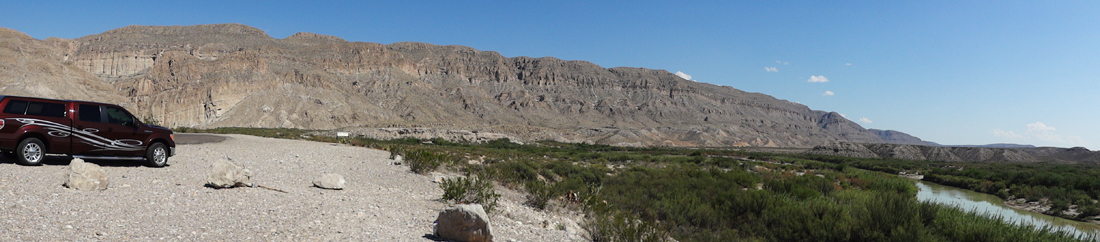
x: 988, y: 204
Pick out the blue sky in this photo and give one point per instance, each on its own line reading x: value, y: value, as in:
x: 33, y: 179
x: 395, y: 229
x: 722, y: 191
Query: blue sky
x: 953, y: 72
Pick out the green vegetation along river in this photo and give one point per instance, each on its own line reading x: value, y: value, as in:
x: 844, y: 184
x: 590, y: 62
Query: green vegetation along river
x: 992, y: 205
x: 649, y: 194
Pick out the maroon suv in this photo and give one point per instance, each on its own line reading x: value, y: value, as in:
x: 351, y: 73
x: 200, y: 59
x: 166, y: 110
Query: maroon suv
x: 32, y: 127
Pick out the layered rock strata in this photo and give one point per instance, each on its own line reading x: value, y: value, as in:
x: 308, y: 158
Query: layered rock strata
x: 221, y: 75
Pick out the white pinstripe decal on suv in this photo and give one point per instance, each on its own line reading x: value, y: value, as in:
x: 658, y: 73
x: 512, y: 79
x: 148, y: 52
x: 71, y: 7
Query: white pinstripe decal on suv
x: 86, y: 136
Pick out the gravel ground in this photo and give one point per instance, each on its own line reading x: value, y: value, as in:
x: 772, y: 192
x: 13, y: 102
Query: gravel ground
x: 382, y: 202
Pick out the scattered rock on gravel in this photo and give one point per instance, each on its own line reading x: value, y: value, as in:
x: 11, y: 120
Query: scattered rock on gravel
x: 437, y: 178
x: 397, y: 160
x: 86, y: 176
x: 380, y: 202
x: 226, y: 174
x: 330, y: 181
x: 464, y: 222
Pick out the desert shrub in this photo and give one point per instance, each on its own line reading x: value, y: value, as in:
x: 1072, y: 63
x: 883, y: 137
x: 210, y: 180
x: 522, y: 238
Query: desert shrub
x: 503, y: 143
x: 621, y: 227
x: 539, y: 193
x: 422, y: 161
x: 1088, y: 210
x: 396, y: 150
x: 469, y: 190
x: 591, y: 175
x: 517, y: 171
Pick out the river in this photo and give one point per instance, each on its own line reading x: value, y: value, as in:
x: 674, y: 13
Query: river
x: 989, y: 204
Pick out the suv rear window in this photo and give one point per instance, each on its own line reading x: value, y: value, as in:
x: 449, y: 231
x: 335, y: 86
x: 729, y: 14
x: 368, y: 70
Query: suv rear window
x: 16, y: 107
x: 90, y: 113
x: 56, y: 110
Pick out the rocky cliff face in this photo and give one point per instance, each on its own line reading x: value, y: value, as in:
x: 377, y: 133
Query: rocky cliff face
x: 234, y: 75
x: 31, y: 67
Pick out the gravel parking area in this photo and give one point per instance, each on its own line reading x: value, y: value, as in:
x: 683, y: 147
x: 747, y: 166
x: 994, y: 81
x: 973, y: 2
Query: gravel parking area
x: 194, y: 139
x: 382, y: 202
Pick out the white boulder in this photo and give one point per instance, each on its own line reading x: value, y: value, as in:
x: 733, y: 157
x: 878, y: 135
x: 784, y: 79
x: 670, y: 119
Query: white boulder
x: 330, y: 181
x: 225, y: 174
x: 86, y: 176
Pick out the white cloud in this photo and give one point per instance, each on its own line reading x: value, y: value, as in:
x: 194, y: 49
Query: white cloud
x: 818, y: 79
x: 844, y: 115
x: 683, y: 75
x: 1039, y: 127
x: 847, y: 64
x: 828, y: 93
x: 865, y: 120
x: 781, y: 62
x: 1007, y: 134
x: 771, y: 69
x: 1041, y: 133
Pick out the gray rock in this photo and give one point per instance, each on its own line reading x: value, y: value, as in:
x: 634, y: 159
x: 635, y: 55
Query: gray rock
x: 86, y: 176
x: 330, y: 181
x: 397, y: 160
x: 225, y: 174
x: 464, y: 222
x: 437, y: 178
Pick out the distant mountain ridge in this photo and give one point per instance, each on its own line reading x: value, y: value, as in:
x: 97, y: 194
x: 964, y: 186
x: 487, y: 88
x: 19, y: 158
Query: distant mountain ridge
x: 997, y: 145
x: 896, y: 137
x: 1010, y: 153
x: 221, y: 75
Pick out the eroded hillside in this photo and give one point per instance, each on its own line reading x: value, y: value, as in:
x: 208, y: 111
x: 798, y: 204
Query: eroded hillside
x: 234, y: 75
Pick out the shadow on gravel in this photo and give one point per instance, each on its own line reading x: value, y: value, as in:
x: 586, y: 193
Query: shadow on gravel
x: 114, y: 163
x: 194, y: 139
x: 65, y: 160
x: 433, y: 237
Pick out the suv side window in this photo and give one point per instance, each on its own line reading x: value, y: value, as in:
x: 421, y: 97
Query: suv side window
x: 118, y: 116
x: 16, y: 107
x: 90, y: 113
x: 55, y: 110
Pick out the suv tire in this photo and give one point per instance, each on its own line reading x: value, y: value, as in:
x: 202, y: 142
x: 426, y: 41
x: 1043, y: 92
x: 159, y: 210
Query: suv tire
x: 156, y: 155
x: 30, y: 152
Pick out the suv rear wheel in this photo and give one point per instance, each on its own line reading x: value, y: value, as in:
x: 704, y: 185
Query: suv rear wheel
x: 30, y: 152
x: 156, y: 155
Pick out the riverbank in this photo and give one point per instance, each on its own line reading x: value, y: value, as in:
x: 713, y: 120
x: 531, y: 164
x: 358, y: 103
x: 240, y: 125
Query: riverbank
x: 1041, y: 206
x: 1044, y: 205
x: 992, y: 206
